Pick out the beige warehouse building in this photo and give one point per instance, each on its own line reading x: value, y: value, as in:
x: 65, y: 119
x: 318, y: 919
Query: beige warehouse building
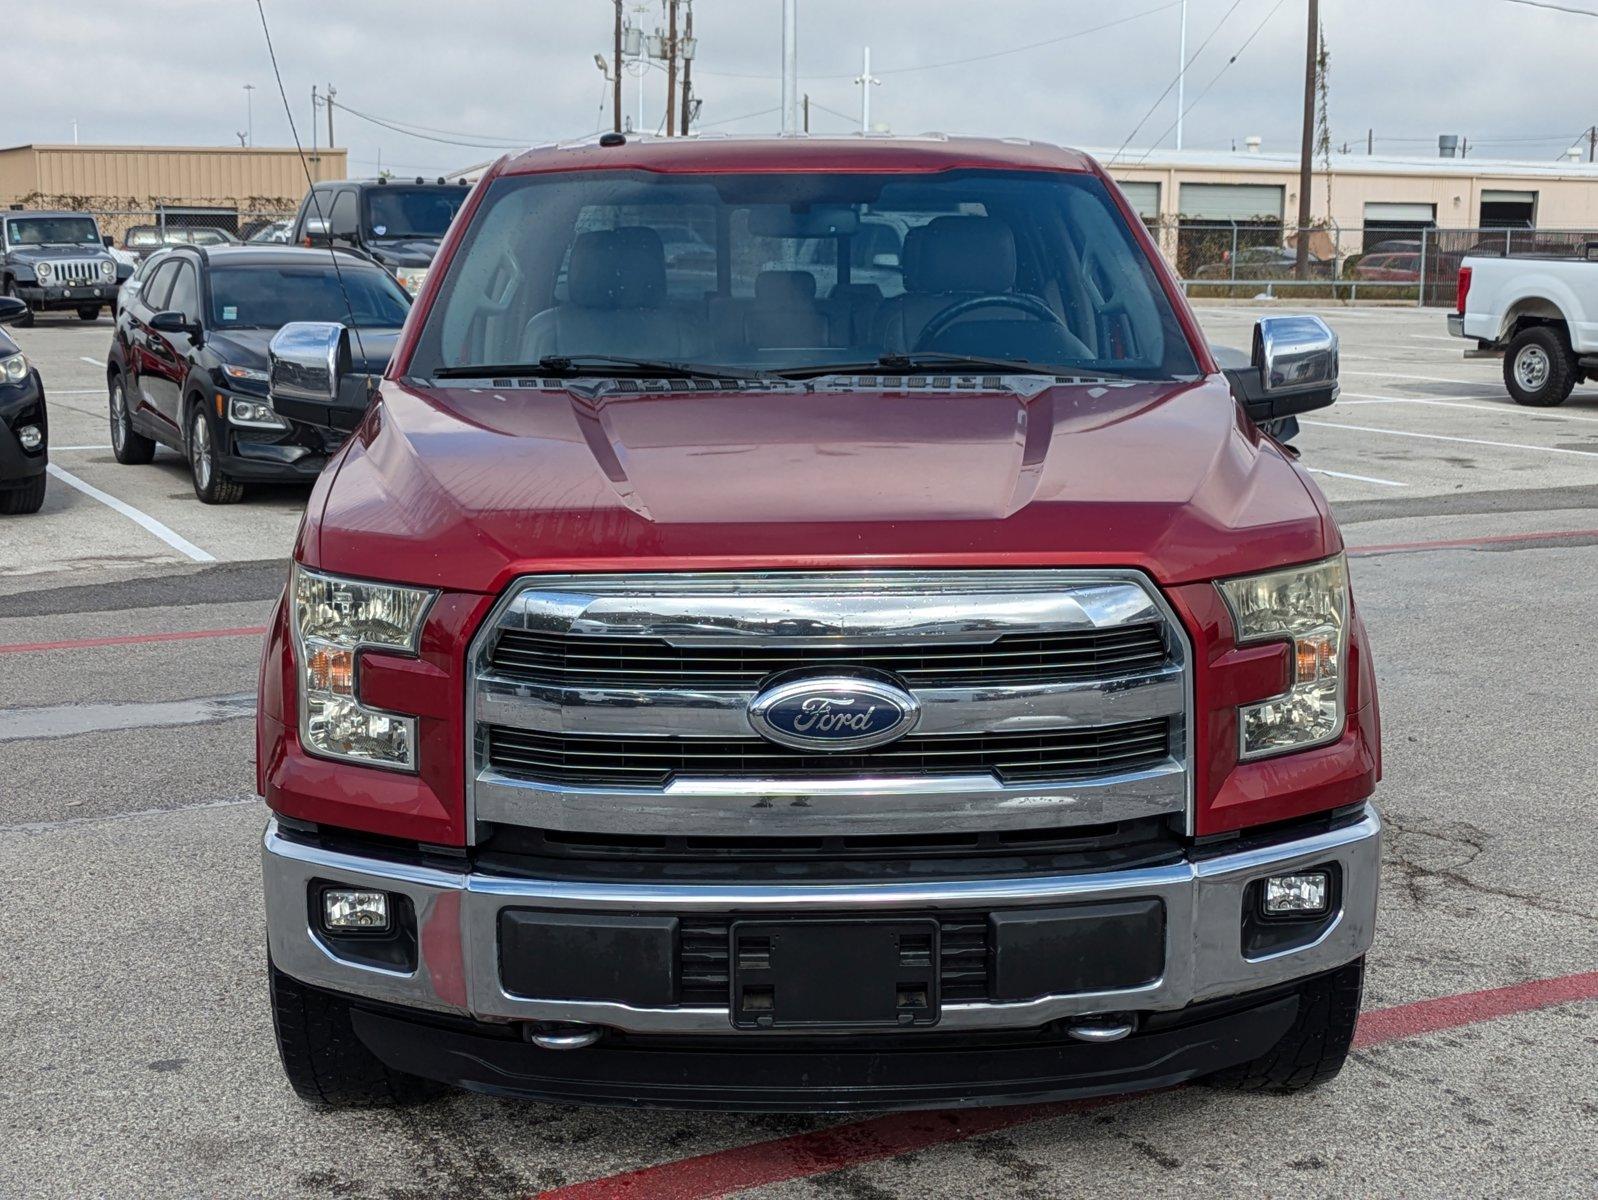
x: 214, y: 183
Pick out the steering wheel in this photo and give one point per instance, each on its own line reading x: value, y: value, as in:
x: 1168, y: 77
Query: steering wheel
x: 1030, y: 305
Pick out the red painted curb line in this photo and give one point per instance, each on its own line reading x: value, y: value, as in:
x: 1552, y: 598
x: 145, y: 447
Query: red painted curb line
x: 1467, y: 543
x: 133, y: 639
x: 723, y: 1172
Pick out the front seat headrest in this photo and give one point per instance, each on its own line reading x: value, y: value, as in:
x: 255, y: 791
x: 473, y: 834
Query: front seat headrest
x: 960, y: 254
x: 785, y: 288
x: 617, y: 268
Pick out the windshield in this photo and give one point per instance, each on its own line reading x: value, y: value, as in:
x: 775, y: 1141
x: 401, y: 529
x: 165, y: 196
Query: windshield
x: 412, y: 212
x: 53, y: 231
x: 800, y: 271
x: 266, y: 297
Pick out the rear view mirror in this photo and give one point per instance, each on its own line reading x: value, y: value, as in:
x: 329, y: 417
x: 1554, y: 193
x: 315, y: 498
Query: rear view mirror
x: 312, y: 377
x: 814, y: 221
x: 1293, y: 368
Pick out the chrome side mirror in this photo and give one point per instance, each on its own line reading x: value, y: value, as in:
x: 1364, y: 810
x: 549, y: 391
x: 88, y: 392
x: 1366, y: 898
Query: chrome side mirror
x: 1293, y: 368
x: 311, y: 376
x: 318, y: 231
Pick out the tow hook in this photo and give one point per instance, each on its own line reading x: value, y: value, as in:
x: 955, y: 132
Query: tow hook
x: 1101, y: 1030
x: 567, y: 1037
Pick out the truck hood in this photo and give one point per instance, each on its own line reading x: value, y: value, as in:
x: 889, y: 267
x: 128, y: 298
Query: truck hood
x: 465, y: 488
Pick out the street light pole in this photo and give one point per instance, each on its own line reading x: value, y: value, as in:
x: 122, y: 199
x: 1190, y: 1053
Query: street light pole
x: 790, y: 66
x: 1307, y: 149
x: 249, y: 114
x: 1181, y: 79
x: 616, y: 66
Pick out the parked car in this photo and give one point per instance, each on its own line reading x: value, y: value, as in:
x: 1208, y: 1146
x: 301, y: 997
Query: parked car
x: 1388, y: 268
x: 58, y: 260
x: 187, y: 366
x: 714, y: 702
x: 272, y: 233
x: 1539, y: 314
x: 24, y: 422
x: 1262, y: 262
x: 398, y: 225
x: 144, y: 240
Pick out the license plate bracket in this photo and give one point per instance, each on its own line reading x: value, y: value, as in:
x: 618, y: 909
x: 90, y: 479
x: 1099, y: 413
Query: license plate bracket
x: 840, y: 974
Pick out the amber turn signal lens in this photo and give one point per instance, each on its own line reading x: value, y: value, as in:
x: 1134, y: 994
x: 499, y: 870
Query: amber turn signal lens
x: 331, y: 670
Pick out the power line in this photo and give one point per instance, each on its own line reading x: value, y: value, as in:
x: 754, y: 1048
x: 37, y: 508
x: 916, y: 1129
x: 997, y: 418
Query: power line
x: 478, y: 142
x: 956, y: 62
x: 1228, y: 66
x: 765, y: 112
x: 1160, y: 99
x: 1580, y: 12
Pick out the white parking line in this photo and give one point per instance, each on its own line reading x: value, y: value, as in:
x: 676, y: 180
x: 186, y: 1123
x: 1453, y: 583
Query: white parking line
x: 1438, y: 437
x: 93, y: 362
x: 1453, y: 402
x: 1488, y: 382
x: 77, y: 391
x: 66, y: 720
x: 1360, y: 478
x: 179, y: 543
x: 63, y: 449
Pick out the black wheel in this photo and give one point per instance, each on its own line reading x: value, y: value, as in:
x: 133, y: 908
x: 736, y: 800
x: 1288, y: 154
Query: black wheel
x: 1539, y: 367
x: 1313, y: 1050
x: 25, y: 321
x: 326, y: 1064
x: 130, y: 446
x: 23, y: 499
x: 210, y: 485
x: 89, y: 312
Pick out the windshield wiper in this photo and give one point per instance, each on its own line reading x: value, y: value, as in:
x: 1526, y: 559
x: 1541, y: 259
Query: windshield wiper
x: 563, y: 366
x: 935, y: 360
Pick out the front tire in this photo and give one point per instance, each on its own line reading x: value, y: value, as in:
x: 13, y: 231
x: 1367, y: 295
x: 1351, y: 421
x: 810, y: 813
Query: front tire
x: 1539, y: 367
x: 24, y: 499
x: 89, y: 312
x: 131, y: 447
x: 326, y: 1063
x: 25, y: 321
x: 210, y: 485
x: 1314, y: 1049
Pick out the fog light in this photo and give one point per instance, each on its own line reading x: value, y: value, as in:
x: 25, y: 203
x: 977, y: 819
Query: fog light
x: 345, y: 910
x: 1303, y: 895
x: 30, y: 437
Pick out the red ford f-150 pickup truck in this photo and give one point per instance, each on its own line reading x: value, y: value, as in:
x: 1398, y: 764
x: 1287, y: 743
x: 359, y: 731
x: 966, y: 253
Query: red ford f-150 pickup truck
x: 776, y: 676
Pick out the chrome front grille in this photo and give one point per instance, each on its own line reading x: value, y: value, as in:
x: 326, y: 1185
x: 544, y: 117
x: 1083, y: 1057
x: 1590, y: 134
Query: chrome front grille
x: 618, y: 704
x: 75, y: 270
x: 586, y: 760
x: 587, y: 661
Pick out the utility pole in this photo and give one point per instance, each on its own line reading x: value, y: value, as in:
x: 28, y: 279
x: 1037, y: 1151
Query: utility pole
x: 807, y: 112
x: 249, y: 114
x: 331, y: 92
x: 1181, y: 79
x: 1307, y: 149
x: 671, y: 67
x: 314, y: 103
x: 1370, y: 142
x: 1592, y: 142
x: 866, y: 81
x: 615, y: 63
x: 686, y: 50
x: 790, y: 66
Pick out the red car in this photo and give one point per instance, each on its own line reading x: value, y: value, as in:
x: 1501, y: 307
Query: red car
x: 797, y: 692
x: 1388, y: 268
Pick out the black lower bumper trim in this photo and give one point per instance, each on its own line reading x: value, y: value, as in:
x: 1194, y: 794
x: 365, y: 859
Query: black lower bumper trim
x: 773, y: 1073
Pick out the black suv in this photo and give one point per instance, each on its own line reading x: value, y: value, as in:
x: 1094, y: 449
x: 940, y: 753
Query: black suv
x: 24, y: 430
x: 398, y: 225
x: 188, y: 362
x: 55, y: 260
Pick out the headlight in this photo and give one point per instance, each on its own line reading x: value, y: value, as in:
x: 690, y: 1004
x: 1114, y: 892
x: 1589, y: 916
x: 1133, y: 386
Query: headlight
x: 43, y: 270
x: 411, y: 278
x: 1308, y: 607
x: 108, y: 268
x: 257, y: 414
x: 13, y: 369
x: 333, y: 620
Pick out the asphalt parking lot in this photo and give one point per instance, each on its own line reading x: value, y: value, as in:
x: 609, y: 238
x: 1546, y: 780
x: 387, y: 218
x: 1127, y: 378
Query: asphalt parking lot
x: 135, y: 1042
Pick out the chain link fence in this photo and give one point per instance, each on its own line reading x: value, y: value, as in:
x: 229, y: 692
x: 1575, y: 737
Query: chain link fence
x: 1245, y: 260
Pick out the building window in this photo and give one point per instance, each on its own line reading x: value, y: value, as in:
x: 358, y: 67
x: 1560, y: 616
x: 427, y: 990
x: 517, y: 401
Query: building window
x: 1508, y: 210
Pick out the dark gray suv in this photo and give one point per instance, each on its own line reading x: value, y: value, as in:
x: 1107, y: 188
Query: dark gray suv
x: 58, y: 260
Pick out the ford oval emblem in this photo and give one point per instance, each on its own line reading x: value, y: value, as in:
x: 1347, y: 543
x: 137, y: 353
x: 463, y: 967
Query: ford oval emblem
x: 833, y: 713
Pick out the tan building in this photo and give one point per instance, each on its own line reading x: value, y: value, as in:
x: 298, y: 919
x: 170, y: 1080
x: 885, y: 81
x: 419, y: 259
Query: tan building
x: 199, y: 182
x: 1360, y: 201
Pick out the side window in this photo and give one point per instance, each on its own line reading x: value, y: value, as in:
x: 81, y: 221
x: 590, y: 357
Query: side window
x: 185, y: 296
x: 341, y: 219
x: 160, y: 286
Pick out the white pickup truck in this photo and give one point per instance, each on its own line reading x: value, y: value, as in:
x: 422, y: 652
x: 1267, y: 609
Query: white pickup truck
x: 1539, y: 314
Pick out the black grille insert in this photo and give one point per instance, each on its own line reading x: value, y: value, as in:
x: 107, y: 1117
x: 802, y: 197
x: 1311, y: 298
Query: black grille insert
x: 963, y: 956
x: 577, y: 660
x: 652, y: 762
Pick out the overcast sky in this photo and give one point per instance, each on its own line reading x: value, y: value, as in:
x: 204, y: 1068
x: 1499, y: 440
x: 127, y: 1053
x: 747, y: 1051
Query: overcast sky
x: 1516, y: 81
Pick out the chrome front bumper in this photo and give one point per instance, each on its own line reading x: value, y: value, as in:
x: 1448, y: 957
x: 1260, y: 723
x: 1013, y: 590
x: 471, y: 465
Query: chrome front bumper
x: 457, y: 918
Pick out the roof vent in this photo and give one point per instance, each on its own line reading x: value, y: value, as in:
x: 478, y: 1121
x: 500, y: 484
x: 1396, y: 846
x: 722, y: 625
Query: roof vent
x: 1253, y: 143
x: 1448, y: 145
